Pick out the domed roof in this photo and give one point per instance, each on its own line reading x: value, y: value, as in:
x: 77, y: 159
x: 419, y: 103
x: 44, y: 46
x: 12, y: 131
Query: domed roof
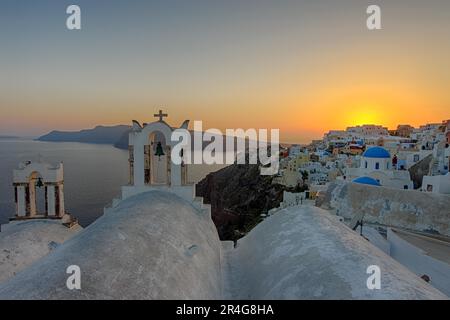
x: 367, y: 180
x: 24, y: 242
x: 135, y: 251
x: 309, y: 249
x: 376, y: 152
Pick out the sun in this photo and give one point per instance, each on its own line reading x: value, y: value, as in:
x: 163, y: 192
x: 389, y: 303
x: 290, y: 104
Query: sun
x: 364, y: 115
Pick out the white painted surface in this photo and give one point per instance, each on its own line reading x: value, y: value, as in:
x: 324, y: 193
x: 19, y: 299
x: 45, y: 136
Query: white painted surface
x: 62, y: 208
x: 24, y: 242
x: 51, y: 200
x: 152, y: 246
x: 48, y: 172
x: 21, y: 209
x: 303, y: 253
x: 375, y: 238
x: 420, y: 262
x: 439, y: 184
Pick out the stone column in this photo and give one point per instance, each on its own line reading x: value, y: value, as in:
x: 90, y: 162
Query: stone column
x: 51, y: 200
x: 32, y: 197
x: 21, y: 201
x: 139, y: 166
x: 148, y: 170
x: 183, y: 174
x: 131, y: 165
x: 61, y: 207
x: 169, y: 165
x: 175, y: 173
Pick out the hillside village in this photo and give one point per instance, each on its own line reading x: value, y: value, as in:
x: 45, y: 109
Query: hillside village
x: 406, y: 158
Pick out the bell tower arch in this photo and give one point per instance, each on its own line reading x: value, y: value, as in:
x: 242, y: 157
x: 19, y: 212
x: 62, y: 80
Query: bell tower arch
x: 150, y: 148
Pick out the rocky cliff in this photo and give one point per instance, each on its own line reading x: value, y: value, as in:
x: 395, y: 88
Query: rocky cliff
x: 238, y: 195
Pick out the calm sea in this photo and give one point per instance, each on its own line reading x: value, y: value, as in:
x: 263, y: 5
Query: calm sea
x: 93, y: 174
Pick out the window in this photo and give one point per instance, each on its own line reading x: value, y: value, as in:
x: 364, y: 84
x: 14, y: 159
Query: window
x: 366, y: 164
x: 429, y: 188
x: 405, y: 187
x: 377, y: 166
x: 416, y: 157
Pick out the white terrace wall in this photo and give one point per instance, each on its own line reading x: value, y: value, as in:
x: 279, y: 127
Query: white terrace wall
x: 407, y: 209
x: 420, y: 262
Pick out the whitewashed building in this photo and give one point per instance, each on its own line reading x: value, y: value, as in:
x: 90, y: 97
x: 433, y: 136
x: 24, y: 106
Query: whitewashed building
x: 376, y: 163
x: 437, y: 184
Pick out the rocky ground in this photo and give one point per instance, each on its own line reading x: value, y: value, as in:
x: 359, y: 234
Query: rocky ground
x: 238, y: 195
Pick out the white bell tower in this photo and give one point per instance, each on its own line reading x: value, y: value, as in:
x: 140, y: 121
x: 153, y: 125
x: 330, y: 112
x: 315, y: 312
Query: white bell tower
x: 28, y: 179
x: 150, y: 163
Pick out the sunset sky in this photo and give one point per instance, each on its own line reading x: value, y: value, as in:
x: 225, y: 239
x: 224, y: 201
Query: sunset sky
x: 304, y: 67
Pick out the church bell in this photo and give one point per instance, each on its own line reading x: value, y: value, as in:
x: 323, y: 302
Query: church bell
x: 159, y: 150
x: 39, y: 183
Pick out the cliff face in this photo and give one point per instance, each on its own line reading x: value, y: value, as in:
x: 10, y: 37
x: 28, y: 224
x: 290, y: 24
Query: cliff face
x: 238, y: 195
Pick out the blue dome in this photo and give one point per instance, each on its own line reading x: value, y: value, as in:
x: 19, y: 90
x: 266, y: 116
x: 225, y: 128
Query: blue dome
x: 376, y: 152
x: 367, y: 180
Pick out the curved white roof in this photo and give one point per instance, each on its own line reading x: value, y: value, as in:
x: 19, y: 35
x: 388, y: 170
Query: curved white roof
x: 303, y: 252
x: 151, y: 246
x: 24, y: 242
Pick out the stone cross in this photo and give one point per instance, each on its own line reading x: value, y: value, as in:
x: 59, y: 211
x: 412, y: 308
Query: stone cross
x: 161, y: 115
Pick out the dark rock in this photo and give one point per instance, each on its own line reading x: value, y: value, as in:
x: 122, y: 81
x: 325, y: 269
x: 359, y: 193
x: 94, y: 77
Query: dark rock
x: 238, y: 195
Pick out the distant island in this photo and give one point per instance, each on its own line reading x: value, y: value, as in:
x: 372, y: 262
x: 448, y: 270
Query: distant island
x: 114, y: 135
